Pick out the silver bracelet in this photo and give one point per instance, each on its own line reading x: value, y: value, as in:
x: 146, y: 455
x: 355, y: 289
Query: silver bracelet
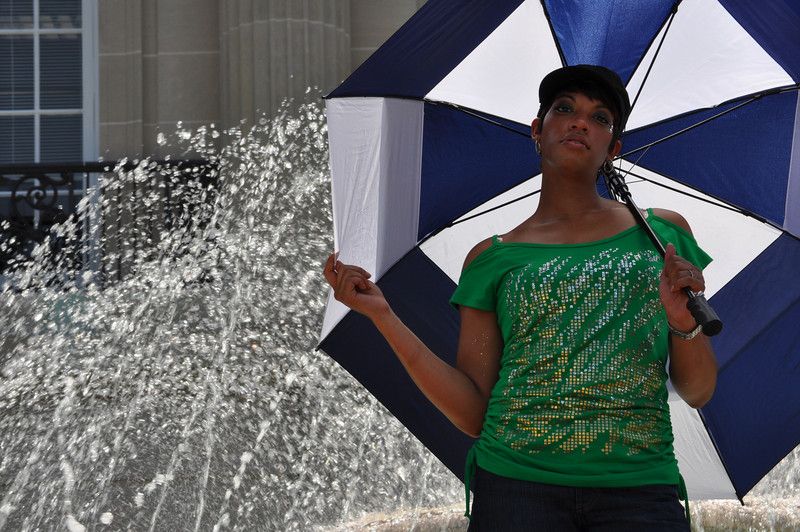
x: 685, y: 335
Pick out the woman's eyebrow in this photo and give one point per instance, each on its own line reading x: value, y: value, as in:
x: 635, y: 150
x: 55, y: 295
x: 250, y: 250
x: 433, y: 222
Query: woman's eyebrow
x: 600, y: 104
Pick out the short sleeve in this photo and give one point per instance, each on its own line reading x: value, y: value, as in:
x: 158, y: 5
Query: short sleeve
x: 685, y: 244
x: 477, y: 287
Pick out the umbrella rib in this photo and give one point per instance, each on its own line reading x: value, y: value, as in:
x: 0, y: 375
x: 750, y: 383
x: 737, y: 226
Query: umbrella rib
x: 561, y: 55
x: 655, y: 55
x: 750, y: 99
x: 719, y: 455
x: 693, y: 126
x: 487, y: 211
x: 496, y: 207
x: 695, y: 196
x: 461, y: 220
x: 719, y: 202
x: 479, y: 116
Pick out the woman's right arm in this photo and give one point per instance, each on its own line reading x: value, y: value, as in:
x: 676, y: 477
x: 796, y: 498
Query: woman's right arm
x: 461, y: 393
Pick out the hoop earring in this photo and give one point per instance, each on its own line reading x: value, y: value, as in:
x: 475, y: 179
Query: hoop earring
x: 607, y: 171
x: 538, y: 147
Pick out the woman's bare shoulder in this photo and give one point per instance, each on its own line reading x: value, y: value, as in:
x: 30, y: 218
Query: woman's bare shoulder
x: 479, y: 248
x: 673, y: 217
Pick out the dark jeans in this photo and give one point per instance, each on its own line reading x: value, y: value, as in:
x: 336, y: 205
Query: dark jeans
x: 505, y: 504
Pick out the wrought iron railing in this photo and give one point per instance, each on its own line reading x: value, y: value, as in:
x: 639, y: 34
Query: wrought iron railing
x: 36, y: 197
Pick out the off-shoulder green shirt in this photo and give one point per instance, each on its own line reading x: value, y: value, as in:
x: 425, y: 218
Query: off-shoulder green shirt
x: 581, y: 398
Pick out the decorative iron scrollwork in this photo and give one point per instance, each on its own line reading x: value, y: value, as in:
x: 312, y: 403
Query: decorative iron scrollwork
x: 33, y: 198
x: 36, y: 202
x: 39, y: 192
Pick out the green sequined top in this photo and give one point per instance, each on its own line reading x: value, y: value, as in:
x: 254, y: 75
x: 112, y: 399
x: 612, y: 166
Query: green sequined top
x: 581, y: 398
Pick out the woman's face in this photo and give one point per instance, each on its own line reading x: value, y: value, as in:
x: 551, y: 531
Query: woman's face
x: 576, y: 133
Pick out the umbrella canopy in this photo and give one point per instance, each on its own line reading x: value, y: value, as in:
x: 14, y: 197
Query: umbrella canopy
x: 434, y: 128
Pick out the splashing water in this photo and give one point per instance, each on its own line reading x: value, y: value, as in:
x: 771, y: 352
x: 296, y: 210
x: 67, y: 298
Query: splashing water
x: 188, y: 395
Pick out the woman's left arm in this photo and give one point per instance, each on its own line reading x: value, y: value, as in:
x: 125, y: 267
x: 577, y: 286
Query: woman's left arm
x: 692, y: 365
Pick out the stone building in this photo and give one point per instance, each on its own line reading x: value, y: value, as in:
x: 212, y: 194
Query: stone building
x: 82, y: 79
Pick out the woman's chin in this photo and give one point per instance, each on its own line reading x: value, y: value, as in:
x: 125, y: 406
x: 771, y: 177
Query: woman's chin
x: 576, y: 164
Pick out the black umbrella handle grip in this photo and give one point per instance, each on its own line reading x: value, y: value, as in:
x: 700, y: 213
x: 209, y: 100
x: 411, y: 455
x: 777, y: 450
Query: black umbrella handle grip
x: 703, y: 313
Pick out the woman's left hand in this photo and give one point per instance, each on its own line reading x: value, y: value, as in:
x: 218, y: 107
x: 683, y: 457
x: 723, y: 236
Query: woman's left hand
x: 679, y: 273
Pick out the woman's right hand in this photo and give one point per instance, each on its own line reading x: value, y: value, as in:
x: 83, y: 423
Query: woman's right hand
x: 461, y: 393
x: 352, y: 287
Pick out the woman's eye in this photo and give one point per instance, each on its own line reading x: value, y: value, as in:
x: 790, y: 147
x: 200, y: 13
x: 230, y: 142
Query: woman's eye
x: 562, y: 108
x: 603, y: 119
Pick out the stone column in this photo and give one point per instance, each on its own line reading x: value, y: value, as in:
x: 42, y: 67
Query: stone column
x: 273, y: 49
x: 159, y: 64
x: 120, y: 77
x: 374, y: 21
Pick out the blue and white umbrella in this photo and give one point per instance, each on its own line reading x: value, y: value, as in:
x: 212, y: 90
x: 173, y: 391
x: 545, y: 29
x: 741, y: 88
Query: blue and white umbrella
x: 434, y: 128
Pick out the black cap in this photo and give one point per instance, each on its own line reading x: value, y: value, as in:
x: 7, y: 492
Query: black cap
x: 607, y: 81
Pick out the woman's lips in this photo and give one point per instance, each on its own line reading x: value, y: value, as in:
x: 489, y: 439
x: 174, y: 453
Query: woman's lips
x: 575, y: 141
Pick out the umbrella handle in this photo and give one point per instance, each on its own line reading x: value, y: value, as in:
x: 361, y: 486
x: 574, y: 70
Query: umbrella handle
x: 701, y: 310
x: 703, y: 313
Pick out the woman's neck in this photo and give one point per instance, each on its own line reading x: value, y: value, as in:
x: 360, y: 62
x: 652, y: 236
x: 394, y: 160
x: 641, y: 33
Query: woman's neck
x: 565, y: 197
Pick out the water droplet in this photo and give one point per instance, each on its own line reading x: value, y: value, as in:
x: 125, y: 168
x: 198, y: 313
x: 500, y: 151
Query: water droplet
x: 73, y: 525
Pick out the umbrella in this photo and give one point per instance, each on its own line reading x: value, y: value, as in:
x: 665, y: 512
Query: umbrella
x: 430, y: 140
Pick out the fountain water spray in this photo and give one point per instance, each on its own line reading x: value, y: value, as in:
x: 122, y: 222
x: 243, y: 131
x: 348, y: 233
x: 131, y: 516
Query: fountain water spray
x: 178, y: 388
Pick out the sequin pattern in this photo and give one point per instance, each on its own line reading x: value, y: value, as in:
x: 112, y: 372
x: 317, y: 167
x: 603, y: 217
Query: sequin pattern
x: 579, y: 373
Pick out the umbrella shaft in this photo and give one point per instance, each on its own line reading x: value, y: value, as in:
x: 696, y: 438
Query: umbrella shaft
x: 701, y: 310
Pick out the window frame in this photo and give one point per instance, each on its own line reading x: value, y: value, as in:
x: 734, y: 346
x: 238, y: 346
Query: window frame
x: 90, y: 79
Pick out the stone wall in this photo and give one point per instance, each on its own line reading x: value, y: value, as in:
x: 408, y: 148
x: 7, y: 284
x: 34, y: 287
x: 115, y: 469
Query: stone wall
x: 274, y: 49
x: 159, y: 63
x: 222, y: 61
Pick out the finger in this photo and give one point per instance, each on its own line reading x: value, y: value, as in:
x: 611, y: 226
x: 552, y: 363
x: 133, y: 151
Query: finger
x: 340, y: 267
x: 677, y: 268
x: 682, y: 264
x: 356, y: 282
x: 328, y: 271
x: 362, y: 271
x: 680, y: 267
x: 689, y: 278
x: 345, y: 287
x: 349, y: 279
x: 669, y: 252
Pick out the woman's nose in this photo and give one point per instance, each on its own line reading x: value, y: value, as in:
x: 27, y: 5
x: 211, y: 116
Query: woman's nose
x: 579, y: 122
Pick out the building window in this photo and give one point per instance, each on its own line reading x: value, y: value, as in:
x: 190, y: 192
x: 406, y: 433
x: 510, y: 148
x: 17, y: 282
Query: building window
x: 42, y: 100
x: 48, y: 95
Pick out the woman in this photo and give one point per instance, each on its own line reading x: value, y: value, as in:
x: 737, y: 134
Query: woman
x: 567, y: 321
